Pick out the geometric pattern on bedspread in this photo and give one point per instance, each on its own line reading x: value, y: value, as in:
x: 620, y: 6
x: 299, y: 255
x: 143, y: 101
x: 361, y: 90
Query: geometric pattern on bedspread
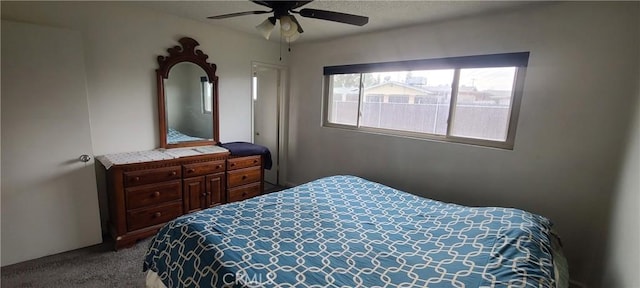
x: 344, y: 231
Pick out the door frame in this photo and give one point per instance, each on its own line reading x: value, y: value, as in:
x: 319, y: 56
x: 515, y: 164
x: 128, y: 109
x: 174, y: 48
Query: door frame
x: 283, y: 116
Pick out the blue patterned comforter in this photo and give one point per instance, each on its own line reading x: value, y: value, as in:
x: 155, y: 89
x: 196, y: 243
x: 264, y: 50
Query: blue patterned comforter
x: 344, y: 231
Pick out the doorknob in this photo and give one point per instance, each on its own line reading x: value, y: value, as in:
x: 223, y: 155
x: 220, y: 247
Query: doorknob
x: 85, y: 158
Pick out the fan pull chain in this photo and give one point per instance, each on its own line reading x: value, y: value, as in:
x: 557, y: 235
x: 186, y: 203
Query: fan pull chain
x: 280, y: 50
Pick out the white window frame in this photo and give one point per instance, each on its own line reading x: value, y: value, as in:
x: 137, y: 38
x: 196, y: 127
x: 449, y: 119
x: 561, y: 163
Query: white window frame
x: 518, y: 60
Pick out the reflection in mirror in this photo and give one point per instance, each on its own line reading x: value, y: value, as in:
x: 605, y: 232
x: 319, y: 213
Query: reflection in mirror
x: 189, y: 104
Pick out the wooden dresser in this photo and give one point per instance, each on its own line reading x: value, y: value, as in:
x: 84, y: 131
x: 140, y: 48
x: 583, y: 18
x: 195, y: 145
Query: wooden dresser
x: 244, y: 177
x: 144, y: 196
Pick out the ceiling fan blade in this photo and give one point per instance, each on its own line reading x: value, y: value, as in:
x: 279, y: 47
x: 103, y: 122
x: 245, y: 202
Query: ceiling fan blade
x: 335, y: 16
x: 263, y: 3
x: 238, y: 14
x: 293, y: 18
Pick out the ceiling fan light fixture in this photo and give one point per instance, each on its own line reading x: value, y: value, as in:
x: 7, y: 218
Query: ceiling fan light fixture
x: 266, y: 27
x: 293, y: 37
x: 288, y: 28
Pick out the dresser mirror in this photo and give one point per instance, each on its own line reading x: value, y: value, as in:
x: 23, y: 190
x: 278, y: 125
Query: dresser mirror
x: 187, y: 97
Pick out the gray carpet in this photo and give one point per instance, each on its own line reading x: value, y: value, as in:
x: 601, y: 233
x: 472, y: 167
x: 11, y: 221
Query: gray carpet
x: 95, y: 266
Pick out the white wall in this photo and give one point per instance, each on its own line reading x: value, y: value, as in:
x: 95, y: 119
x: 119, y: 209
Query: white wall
x: 121, y: 45
x: 572, y: 127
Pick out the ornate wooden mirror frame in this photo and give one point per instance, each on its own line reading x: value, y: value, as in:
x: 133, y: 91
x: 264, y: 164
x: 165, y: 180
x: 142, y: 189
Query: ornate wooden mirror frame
x: 186, y: 53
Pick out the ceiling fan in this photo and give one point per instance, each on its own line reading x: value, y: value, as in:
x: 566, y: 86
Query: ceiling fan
x: 289, y: 26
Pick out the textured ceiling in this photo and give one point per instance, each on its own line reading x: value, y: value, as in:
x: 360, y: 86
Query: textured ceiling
x: 382, y: 14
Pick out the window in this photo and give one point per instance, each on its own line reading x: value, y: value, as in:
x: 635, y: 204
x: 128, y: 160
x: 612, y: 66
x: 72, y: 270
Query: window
x: 207, y: 95
x: 399, y: 99
x: 425, y: 100
x: 373, y: 98
x: 470, y: 99
x: 342, y: 111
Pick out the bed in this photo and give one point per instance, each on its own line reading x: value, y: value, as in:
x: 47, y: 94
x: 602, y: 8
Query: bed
x: 174, y: 137
x: 345, y: 231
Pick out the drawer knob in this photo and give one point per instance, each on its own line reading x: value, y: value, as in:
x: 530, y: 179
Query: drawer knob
x: 156, y: 194
x: 203, y: 194
x: 219, y: 166
x: 233, y: 164
x: 173, y: 173
x: 191, y: 170
x: 136, y: 179
x: 244, y: 177
x: 157, y: 214
x: 255, y: 161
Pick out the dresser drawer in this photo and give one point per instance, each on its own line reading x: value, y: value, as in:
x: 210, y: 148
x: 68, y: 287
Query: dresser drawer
x: 140, y: 196
x: 244, y: 192
x: 244, y: 162
x: 199, y: 169
x: 134, y: 178
x: 146, y: 217
x: 244, y: 176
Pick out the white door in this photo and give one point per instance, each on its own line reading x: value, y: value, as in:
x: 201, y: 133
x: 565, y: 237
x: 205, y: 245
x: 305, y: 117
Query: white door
x: 266, y: 114
x: 49, y: 197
